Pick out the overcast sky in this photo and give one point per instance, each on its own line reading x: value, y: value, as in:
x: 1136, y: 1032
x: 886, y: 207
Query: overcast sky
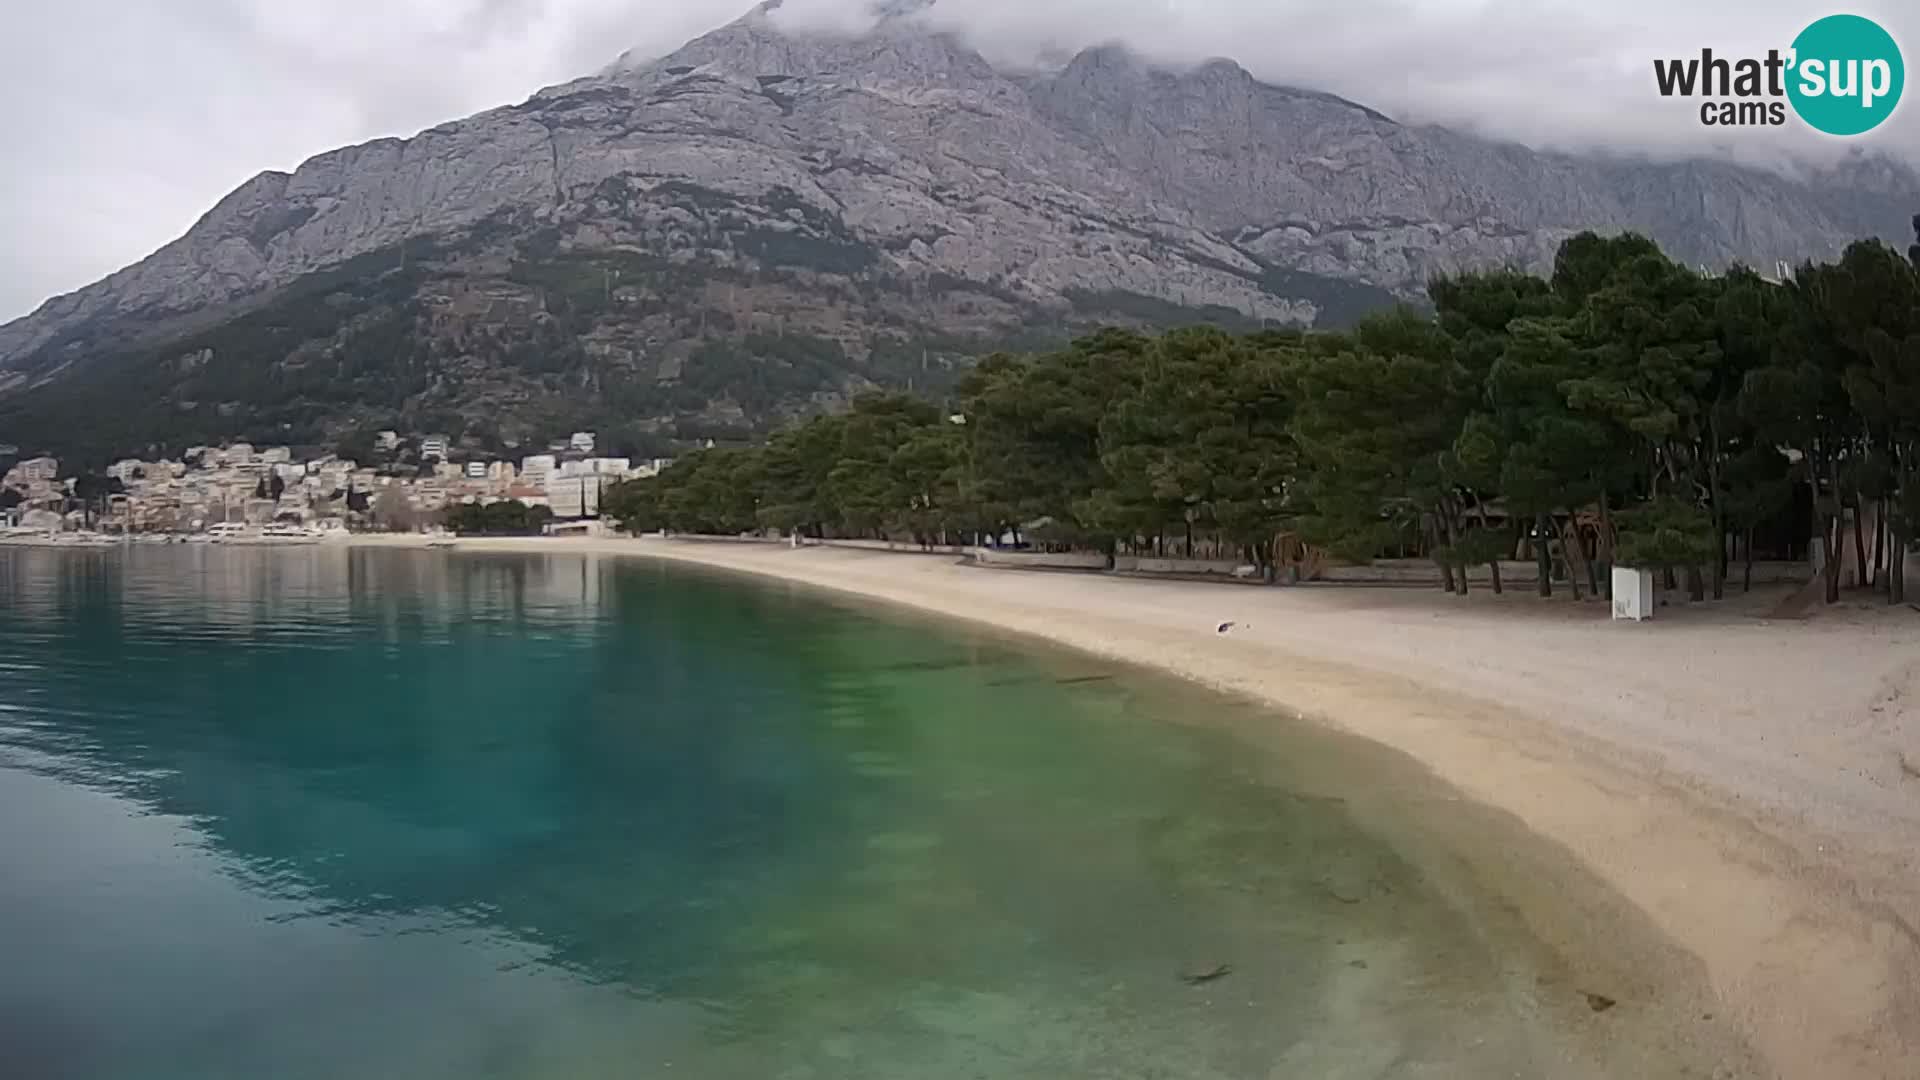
x: 124, y: 120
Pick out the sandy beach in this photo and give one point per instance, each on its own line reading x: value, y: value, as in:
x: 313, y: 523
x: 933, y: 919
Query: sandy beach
x: 1752, y: 786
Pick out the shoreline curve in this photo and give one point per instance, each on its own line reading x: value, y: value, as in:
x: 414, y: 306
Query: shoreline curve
x: 1789, y: 867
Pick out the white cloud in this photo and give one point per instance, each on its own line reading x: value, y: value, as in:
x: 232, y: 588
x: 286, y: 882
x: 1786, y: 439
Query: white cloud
x: 124, y: 120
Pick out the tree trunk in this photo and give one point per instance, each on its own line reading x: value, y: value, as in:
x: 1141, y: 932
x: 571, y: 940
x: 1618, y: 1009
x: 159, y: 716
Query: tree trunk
x: 1696, y: 585
x: 1453, y: 542
x: 1880, y: 545
x: 1431, y: 527
x: 1575, y: 549
x: 1897, y: 567
x: 1543, y: 554
x: 1603, y: 579
x: 1493, y: 564
x: 1746, y: 577
x: 1860, y: 579
x: 1832, y: 535
x: 1897, y: 537
x: 1719, y: 511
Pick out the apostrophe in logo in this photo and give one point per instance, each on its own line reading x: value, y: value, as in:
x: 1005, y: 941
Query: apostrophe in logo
x: 1847, y: 75
x: 1843, y: 75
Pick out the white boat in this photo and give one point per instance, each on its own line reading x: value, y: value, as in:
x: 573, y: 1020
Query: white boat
x: 275, y: 535
x: 289, y: 534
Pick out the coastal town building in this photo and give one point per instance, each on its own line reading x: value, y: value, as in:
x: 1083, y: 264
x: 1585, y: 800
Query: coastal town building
x: 576, y: 496
x: 528, y: 494
x: 31, y: 471
x: 242, y: 484
x: 538, y: 467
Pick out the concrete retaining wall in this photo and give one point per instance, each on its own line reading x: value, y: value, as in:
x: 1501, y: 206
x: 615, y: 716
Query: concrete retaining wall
x: 890, y: 545
x: 1039, y: 560
x: 1424, y: 572
x: 1137, y: 564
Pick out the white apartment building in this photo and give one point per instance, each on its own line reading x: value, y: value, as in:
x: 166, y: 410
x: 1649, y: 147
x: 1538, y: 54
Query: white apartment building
x: 575, y: 496
x: 434, y: 446
x: 583, y: 441
x: 476, y: 470
x: 536, y: 469
x: 428, y: 494
x: 334, y: 476
x: 24, y: 474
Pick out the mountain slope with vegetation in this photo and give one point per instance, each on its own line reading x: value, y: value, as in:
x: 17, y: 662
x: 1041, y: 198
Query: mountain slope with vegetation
x: 760, y: 225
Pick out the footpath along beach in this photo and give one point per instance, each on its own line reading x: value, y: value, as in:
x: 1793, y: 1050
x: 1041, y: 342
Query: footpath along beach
x: 1751, y: 785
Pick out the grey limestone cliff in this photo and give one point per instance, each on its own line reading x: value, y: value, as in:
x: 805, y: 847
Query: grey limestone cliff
x: 888, y: 173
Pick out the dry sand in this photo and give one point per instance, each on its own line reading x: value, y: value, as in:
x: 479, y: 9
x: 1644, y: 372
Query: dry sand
x: 1751, y: 786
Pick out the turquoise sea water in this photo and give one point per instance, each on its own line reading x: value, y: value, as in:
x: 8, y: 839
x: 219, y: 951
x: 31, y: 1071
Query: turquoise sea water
x: 332, y: 813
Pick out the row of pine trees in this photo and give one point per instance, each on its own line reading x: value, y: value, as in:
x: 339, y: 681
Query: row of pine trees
x: 1628, y: 409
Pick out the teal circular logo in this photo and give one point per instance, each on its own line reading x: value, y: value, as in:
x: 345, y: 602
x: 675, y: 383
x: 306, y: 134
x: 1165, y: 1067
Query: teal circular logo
x: 1846, y: 75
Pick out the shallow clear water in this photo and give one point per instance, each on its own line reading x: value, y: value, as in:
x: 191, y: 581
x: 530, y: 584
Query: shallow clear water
x: 331, y: 813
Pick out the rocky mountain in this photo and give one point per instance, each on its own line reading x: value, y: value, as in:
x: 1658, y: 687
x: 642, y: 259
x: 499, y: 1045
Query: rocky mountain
x: 760, y: 223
